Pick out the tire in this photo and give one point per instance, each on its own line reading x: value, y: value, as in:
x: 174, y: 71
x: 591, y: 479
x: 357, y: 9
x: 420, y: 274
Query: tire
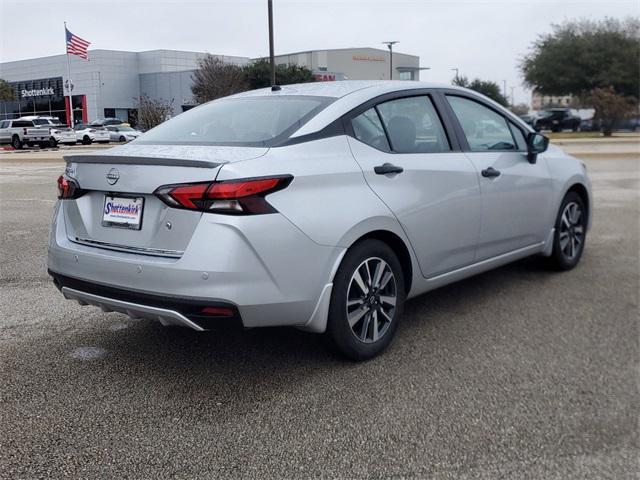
x: 122, y: 139
x: 53, y: 143
x: 44, y: 145
x: 364, y: 327
x: 16, y: 142
x: 86, y: 140
x: 570, y: 234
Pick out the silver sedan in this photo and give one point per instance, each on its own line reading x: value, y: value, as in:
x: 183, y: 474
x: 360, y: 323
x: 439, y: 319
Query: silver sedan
x: 321, y: 206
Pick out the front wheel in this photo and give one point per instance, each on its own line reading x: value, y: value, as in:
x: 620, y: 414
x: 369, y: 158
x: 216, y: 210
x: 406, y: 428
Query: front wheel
x: 53, y: 143
x: 570, y: 234
x: 366, y: 300
x: 122, y: 139
x: 86, y: 140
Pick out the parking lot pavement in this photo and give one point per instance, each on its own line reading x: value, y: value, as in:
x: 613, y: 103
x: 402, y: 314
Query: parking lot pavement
x: 517, y: 373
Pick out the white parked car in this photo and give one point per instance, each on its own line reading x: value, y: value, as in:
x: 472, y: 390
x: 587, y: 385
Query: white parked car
x: 60, y: 133
x: 122, y: 133
x: 87, y: 134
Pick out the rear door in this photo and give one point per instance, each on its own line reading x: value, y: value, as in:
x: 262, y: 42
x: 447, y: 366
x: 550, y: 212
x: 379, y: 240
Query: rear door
x: 516, y: 195
x: 420, y: 173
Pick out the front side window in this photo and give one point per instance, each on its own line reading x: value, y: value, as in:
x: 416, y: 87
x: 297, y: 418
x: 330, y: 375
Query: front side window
x: 413, y: 125
x: 367, y: 128
x: 484, y: 129
x: 259, y: 121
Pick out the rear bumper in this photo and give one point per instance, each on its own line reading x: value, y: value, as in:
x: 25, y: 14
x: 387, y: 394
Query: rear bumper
x: 263, y: 266
x: 167, y: 310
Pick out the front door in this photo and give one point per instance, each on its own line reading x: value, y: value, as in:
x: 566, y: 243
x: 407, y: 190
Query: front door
x: 408, y: 161
x: 516, y: 195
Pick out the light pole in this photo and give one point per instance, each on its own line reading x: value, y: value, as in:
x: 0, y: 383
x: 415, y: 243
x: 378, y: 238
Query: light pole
x: 505, y: 91
x: 271, y: 59
x: 512, y: 99
x: 390, y: 45
x: 456, y: 70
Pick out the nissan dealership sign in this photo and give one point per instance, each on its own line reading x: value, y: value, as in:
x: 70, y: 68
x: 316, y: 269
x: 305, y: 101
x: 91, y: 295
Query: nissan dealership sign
x: 42, y: 92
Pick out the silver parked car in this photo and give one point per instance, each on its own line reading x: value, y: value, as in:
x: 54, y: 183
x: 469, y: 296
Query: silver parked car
x: 320, y: 206
x: 122, y: 133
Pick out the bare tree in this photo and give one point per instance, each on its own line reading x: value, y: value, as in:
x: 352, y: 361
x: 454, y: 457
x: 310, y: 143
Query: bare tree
x: 215, y: 78
x: 611, y: 108
x: 152, y: 112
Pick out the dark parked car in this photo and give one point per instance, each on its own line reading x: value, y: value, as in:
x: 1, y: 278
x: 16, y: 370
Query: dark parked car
x: 528, y: 119
x: 557, y: 119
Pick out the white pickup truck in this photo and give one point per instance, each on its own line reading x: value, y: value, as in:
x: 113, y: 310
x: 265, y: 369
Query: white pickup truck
x: 23, y: 132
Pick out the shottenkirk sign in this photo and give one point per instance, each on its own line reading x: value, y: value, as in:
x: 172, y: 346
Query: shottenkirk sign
x: 41, y: 92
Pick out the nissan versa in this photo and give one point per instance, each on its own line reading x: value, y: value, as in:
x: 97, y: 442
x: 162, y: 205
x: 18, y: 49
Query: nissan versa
x: 322, y: 206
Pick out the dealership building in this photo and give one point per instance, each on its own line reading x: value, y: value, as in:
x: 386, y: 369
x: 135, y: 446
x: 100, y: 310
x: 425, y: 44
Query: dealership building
x: 110, y: 83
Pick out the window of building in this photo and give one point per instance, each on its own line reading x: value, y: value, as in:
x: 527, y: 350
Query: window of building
x: 406, y: 75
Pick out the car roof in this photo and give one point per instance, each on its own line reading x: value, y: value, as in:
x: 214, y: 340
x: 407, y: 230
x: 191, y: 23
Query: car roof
x: 341, y: 88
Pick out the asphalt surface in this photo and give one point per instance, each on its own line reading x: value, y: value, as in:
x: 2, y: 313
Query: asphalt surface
x: 517, y: 373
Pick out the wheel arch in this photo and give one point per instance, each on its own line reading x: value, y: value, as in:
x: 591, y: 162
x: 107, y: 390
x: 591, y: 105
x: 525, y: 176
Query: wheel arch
x: 399, y: 247
x: 582, y: 191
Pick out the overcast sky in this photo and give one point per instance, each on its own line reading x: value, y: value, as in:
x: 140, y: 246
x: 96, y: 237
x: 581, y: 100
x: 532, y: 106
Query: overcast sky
x: 483, y: 39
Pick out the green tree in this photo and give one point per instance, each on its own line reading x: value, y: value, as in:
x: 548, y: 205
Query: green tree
x: 580, y: 56
x: 258, y: 74
x: 485, y: 87
x: 6, y: 92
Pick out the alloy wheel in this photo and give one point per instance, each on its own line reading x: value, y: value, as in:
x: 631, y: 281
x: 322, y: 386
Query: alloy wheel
x: 371, y: 300
x: 571, y: 234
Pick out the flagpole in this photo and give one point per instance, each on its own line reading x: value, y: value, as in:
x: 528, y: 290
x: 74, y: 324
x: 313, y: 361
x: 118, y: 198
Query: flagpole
x: 66, y: 47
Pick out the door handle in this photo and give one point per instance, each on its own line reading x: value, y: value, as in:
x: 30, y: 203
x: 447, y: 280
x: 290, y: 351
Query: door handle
x: 490, y: 172
x: 386, y: 168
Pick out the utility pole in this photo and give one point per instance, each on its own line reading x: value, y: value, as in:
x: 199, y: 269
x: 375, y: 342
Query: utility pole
x: 390, y: 45
x: 456, y: 70
x: 271, y: 59
x: 512, y: 99
x: 505, y: 90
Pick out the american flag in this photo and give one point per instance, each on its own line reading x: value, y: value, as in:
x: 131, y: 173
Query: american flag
x: 76, y: 45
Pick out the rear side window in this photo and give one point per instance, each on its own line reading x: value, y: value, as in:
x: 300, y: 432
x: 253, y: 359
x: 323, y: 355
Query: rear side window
x: 368, y: 128
x: 413, y: 125
x: 259, y: 121
x: 22, y: 123
x: 484, y: 129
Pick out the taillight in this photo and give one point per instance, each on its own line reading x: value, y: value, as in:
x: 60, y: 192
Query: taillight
x: 68, y: 188
x: 232, y: 197
x: 24, y: 131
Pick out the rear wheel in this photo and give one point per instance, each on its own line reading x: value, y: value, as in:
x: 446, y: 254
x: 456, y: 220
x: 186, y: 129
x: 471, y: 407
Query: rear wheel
x: 366, y: 300
x: 16, y: 142
x: 570, y: 234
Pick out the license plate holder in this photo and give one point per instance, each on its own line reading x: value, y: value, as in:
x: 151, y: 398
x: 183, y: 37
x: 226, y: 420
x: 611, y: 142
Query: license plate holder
x: 122, y: 211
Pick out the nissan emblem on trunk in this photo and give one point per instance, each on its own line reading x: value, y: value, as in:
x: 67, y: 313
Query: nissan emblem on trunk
x: 113, y: 176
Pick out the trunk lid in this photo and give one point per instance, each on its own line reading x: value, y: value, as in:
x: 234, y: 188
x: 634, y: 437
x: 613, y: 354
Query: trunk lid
x: 135, y: 173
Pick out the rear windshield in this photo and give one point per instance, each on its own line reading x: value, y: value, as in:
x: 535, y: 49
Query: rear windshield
x: 245, y: 121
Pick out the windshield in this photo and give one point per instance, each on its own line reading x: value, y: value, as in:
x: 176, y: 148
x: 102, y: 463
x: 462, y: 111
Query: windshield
x: 246, y: 121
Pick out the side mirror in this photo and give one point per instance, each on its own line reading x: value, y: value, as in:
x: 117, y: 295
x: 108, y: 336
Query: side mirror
x: 536, y: 143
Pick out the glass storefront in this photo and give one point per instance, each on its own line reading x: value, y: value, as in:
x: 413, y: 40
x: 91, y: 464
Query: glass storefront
x: 42, y: 97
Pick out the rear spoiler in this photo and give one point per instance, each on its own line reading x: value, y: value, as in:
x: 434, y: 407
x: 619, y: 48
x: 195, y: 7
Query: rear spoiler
x: 135, y: 160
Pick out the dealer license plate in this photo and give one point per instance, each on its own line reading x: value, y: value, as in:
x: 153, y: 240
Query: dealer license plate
x: 122, y: 212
